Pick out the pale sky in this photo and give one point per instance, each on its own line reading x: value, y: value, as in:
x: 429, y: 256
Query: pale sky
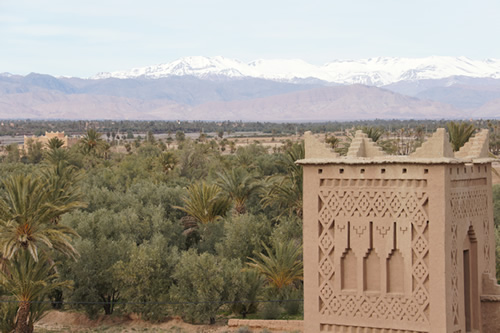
x: 82, y: 38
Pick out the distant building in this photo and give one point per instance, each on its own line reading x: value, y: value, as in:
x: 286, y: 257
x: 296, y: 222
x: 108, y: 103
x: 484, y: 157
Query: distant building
x: 67, y: 141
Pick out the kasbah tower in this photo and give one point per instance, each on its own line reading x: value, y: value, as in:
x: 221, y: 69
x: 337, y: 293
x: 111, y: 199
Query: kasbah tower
x: 399, y: 244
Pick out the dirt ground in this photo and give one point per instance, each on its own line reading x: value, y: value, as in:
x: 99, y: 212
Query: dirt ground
x: 58, y: 321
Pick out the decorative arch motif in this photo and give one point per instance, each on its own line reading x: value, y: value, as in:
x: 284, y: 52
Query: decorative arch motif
x: 404, y: 208
x: 469, y: 209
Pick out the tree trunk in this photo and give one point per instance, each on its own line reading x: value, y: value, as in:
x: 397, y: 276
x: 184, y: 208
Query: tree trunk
x: 22, y: 322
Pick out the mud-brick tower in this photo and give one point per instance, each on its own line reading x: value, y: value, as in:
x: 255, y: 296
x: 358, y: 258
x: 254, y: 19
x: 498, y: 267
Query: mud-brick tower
x: 398, y: 244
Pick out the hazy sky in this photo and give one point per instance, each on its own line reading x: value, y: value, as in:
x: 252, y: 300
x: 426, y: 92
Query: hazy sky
x: 81, y: 38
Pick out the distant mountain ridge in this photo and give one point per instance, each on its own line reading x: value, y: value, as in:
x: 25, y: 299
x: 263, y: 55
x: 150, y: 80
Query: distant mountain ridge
x: 378, y: 72
x: 201, y: 88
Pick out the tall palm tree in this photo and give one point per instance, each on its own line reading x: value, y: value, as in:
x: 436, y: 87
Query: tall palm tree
x: 460, y: 133
x: 239, y: 185
x: 92, y: 142
x: 281, y: 267
x: 205, y: 203
x: 29, y: 207
x: 28, y: 280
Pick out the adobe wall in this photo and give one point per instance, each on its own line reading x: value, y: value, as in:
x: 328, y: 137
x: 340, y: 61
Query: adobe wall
x: 490, y: 314
x: 67, y: 142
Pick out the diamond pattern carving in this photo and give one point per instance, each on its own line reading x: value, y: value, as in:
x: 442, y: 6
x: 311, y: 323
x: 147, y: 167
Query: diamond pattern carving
x: 351, y: 305
x: 420, y: 271
x: 395, y: 205
x: 335, y: 304
x: 381, y: 202
x: 412, y: 308
x: 366, y: 306
x: 326, y: 242
x: 420, y: 245
x: 421, y: 296
x: 348, y: 203
x: 396, y: 308
x: 326, y: 268
x: 411, y: 204
x: 381, y: 308
x: 420, y: 219
x: 486, y: 249
x: 333, y: 202
x: 325, y: 216
x: 364, y: 203
x: 326, y: 291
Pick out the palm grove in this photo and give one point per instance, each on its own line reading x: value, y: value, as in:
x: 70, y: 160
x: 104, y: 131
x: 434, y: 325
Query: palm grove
x: 196, y: 231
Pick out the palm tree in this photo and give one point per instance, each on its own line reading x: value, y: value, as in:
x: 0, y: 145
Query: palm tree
x: 55, y: 143
x: 92, y: 142
x: 281, y: 267
x: 58, y: 155
x: 205, y: 203
x: 29, y: 207
x: 239, y: 186
x: 62, y: 193
x: 373, y: 133
x: 168, y: 161
x: 284, y: 195
x: 28, y: 280
x: 285, y: 191
x: 460, y: 133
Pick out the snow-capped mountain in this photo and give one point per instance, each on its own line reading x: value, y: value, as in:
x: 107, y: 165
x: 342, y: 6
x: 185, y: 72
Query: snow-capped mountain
x: 373, y: 71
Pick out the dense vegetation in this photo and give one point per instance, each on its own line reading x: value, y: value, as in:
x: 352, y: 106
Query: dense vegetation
x: 196, y: 230
x: 160, y: 231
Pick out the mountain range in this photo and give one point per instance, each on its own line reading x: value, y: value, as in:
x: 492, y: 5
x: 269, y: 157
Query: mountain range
x: 201, y: 88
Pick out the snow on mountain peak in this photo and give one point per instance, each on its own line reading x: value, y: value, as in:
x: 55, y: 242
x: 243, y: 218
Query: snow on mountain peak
x: 377, y: 71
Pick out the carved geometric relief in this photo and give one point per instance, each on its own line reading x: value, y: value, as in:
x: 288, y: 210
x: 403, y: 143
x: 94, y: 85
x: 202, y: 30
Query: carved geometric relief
x: 468, y: 206
x: 326, y: 268
x: 469, y: 203
x: 376, y: 203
